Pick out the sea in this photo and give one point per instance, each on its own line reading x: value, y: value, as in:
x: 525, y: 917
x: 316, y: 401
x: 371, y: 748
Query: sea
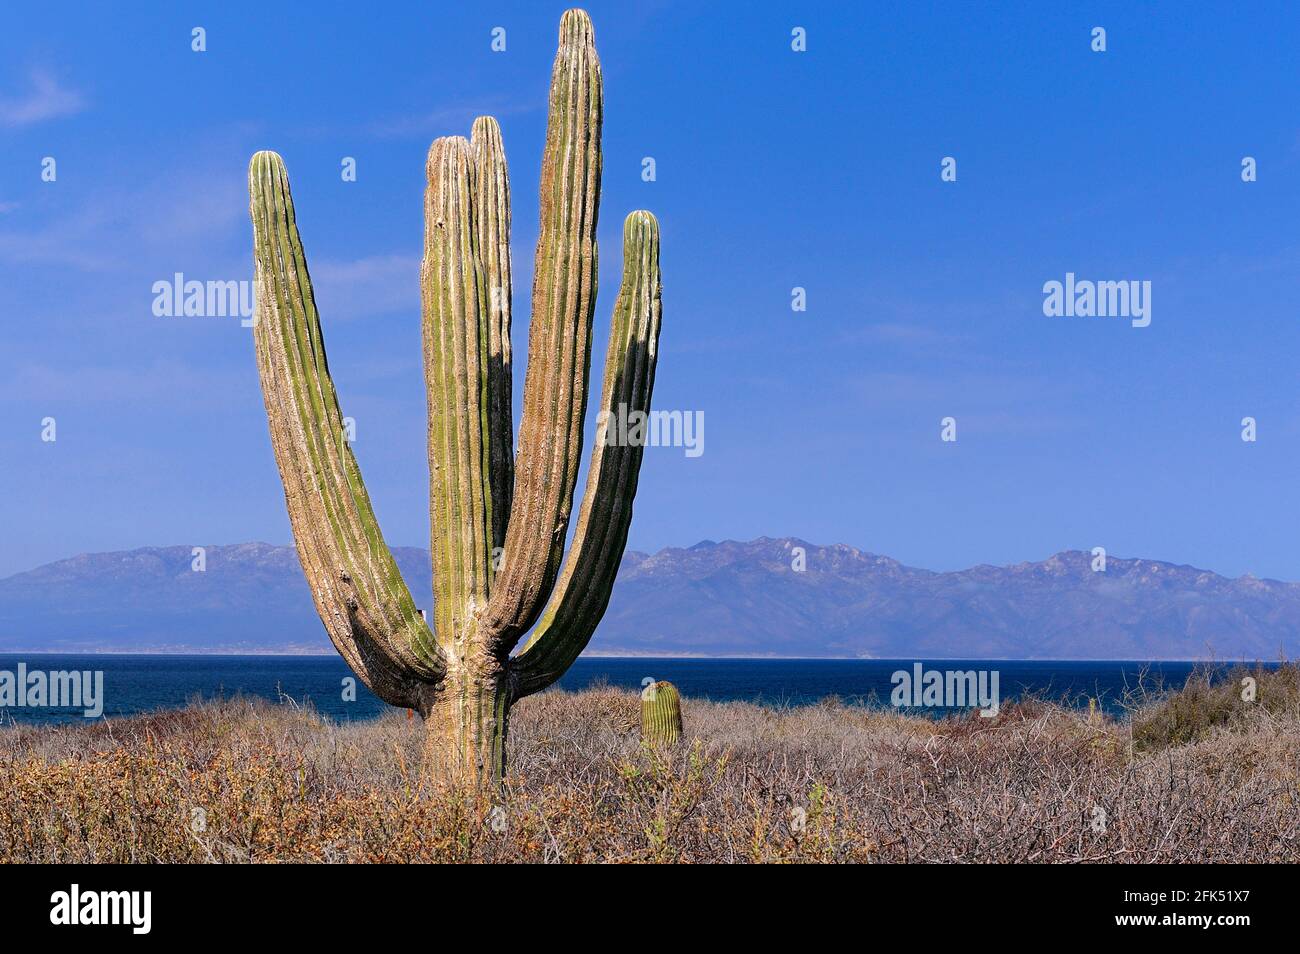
x: 135, y: 684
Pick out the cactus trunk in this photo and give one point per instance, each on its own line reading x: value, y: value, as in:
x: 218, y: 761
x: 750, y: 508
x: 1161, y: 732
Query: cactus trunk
x: 465, y: 727
x: 498, y: 513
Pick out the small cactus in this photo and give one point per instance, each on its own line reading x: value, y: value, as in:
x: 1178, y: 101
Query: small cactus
x: 661, y: 714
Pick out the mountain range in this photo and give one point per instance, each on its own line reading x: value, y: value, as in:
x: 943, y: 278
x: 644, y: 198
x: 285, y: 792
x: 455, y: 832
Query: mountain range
x: 764, y: 597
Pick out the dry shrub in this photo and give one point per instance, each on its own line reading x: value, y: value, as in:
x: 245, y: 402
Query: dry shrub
x: 1211, y: 700
x: 251, y: 781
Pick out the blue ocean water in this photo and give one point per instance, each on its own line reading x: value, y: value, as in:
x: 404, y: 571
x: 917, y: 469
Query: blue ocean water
x: 141, y: 683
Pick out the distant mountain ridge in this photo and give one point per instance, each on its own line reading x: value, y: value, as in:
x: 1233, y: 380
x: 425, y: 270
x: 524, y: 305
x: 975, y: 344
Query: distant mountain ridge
x: 713, y: 599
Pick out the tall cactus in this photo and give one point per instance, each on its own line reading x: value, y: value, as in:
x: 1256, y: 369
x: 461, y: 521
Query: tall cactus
x: 499, y: 517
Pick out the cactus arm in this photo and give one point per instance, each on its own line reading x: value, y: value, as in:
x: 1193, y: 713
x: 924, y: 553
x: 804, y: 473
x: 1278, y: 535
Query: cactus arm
x: 357, y: 588
x: 456, y: 374
x: 492, y: 208
x: 583, y: 589
x: 559, y: 345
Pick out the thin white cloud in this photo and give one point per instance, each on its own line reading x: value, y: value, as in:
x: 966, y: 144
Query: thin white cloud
x: 164, y: 217
x: 165, y: 382
x: 45, y: 99
x: 899, y: 333
x: 66, y: 242
x: 446, y: 121
x: 374, y: 285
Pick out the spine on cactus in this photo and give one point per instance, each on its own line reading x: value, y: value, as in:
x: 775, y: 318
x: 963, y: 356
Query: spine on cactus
x: 661, y: 714
x: 484, y: 493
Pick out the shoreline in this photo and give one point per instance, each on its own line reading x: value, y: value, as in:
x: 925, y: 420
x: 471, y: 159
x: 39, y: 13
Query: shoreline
x: 281, y: 654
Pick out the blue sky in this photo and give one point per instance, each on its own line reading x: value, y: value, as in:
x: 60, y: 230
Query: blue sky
x: 775, y: 169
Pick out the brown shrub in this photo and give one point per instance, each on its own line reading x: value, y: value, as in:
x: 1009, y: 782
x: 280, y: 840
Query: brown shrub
x: 1212, y: 700
x: 251, y: 781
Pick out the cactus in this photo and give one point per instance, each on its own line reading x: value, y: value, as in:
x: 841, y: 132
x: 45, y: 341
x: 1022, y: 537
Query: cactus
x: 661, y: 714
x: 498, y: 516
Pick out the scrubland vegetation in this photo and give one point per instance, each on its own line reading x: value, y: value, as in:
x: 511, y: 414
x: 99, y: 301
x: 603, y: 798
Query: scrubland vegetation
x: 1197, y: 775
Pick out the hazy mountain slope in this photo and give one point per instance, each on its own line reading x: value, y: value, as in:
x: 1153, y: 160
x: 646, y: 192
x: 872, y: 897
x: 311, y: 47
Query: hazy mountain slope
x: 726, y: 598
